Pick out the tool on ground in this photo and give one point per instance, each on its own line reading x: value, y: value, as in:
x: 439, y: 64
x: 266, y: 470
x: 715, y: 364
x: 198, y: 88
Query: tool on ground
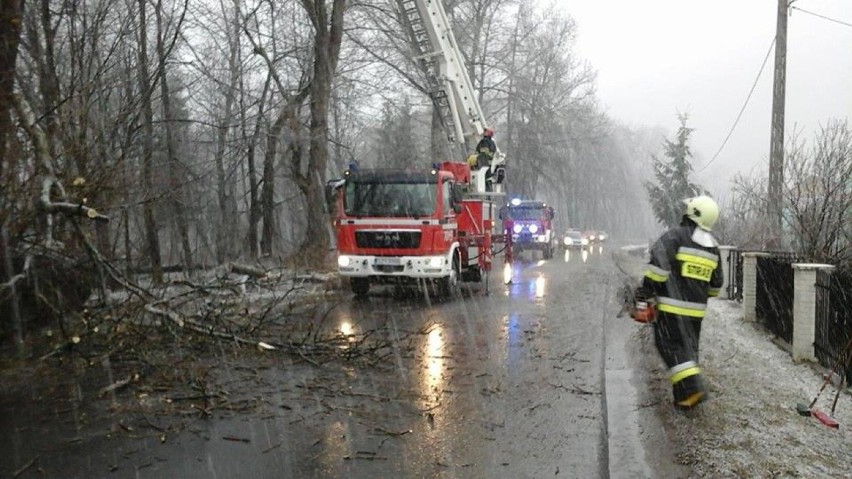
x: 839, y: 370
x: 825, y: 418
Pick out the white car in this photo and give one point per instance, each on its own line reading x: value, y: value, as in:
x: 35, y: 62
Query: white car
x: 574, y: 239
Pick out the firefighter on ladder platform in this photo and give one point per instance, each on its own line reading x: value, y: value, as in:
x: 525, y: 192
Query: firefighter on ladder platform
x: 483, y: 155
x: 682, y: 273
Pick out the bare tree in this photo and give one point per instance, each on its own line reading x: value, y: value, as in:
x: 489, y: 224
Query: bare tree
x: 251, y: 149
x: 328, y: 35
x: 152, y: 233
x: 11, y: 12
x: 175, y: 178
x: 226, y: 234
x: 744, y: 222
x: 818, y: 193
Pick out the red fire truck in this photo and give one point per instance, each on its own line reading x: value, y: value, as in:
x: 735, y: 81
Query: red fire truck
x: 413, y: 227
x: 528, y: 225
x: 426, y: 226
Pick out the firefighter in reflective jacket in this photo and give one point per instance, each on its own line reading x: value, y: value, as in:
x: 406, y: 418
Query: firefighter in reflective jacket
x: 682, y: 273
x: 485, y: 151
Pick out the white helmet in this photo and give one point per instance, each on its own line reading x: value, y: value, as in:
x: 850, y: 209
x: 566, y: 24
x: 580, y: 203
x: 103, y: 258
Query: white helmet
x: 702, y: 210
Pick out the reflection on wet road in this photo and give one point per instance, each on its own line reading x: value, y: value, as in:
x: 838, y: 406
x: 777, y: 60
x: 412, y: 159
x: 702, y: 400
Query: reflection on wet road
x: 500, y: 385
x: 434, y: 362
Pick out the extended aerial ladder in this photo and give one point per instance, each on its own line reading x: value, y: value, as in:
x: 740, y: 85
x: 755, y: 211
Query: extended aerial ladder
x: 449, y: 86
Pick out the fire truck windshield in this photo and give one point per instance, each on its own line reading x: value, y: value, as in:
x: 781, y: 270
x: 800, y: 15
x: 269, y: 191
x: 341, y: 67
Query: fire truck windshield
x: 384, y: 198
x: 525, y: 213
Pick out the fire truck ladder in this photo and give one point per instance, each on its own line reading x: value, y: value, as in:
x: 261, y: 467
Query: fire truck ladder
x: 436, y: 52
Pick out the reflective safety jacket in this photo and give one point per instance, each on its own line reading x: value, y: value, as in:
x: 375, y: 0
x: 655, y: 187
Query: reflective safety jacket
x: 486, y: 147
x: 683, y: 272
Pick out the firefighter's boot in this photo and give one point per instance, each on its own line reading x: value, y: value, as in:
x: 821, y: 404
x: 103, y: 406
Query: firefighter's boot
x: 687, y: 387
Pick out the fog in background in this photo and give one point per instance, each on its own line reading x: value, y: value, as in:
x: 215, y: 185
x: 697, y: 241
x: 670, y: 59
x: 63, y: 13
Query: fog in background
x: 660, y: 57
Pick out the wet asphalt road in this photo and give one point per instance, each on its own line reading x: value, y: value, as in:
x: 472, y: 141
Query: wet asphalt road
x: 507, y: 384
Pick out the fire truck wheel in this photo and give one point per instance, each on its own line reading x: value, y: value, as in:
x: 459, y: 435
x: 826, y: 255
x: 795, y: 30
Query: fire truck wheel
x: 360, y: 286
x: 473, y: 275
x: 449, y: 286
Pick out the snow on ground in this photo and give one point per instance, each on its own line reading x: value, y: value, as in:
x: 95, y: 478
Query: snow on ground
x: 750, y: 427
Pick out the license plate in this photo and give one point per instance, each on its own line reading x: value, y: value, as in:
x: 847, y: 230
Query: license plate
x: 387, y: 261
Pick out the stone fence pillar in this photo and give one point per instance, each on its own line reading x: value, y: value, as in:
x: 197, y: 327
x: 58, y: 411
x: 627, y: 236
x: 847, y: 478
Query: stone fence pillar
x: 804, y: 309
x: 726, y: 254
x: 750, y: 284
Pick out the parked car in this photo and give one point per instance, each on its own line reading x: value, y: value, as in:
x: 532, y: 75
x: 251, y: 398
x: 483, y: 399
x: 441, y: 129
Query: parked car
x: 573, y: 239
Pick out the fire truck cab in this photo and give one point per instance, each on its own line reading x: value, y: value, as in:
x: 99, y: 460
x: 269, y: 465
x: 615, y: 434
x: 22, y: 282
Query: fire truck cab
x: 413, y: 228
x: 529, y: 224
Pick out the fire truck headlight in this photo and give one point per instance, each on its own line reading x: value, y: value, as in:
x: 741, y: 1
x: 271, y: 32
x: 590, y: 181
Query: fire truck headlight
x: 517, y: 228
x: 533, y: 229
x: 343, y: 261
x: 436, y: 261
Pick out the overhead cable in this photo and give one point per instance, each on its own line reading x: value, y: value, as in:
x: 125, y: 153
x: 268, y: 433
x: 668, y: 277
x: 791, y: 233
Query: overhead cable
x: 823, y: 17
x: 753, y: 86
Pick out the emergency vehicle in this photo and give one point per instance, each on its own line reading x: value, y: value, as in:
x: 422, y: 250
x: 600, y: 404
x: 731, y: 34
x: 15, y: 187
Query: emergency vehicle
x: 413, y: 227
x: 528, y: 225
x: 424, y: 226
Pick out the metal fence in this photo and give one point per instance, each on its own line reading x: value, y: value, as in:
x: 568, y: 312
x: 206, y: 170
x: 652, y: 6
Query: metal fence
x: 733, y: 270
x: 833, y: 328
x: 774, y: 305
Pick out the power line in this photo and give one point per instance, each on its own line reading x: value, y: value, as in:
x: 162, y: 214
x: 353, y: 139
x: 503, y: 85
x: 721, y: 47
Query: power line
x: 823, y: 17
x: 753, y: 86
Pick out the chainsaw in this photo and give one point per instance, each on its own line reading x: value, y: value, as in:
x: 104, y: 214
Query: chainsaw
x: 642, y: 311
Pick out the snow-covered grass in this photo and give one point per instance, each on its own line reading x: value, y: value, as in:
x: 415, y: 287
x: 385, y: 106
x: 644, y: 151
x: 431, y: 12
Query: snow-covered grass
x: 750, y: 427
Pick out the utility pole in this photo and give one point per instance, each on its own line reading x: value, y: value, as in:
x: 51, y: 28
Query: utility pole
x: 776, y: 142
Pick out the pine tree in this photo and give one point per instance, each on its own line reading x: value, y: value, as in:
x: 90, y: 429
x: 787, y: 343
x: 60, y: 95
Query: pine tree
x: 672, y: 174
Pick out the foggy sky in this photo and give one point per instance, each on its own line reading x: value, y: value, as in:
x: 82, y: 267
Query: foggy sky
x: 658, y: 57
